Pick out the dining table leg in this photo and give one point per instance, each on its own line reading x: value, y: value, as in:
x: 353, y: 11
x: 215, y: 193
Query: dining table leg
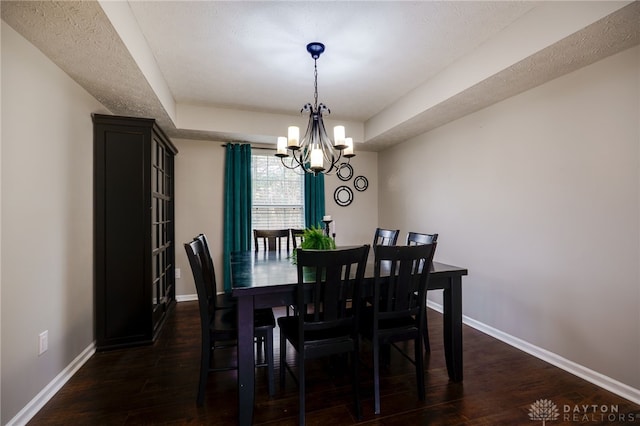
x: 452, y: 300
x: 246, y: 373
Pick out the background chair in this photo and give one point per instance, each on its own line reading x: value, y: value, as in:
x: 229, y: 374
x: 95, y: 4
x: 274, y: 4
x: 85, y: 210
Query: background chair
x: 324, y: 325
x: 271, y: 239
x: 297, y: 237
x: 385, y: 237
x: 414, y: 239
x: 398, y: 312
x: 219, y: 326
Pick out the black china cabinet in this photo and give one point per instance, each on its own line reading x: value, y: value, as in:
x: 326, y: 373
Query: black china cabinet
x: 134, y: 232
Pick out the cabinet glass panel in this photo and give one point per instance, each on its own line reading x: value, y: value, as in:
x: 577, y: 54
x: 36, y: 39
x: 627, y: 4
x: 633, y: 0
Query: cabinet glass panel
x: 154, y: 294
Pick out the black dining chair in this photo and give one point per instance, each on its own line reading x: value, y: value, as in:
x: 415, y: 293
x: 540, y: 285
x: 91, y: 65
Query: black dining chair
x: 385, y: 237
x: 271, y: 239
x: 324, y: 324
x: 297, y: 235
x: 414, y: 239
x: 224, y: 300
x: 399, y: 302
x: 219, y: 326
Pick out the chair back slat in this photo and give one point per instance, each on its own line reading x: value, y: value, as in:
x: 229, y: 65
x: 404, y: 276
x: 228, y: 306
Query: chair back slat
x: 208, y: 269
x: 385, y: 237
x: 416, y: 238
x: 206, y: 297
x: 401, y: 290
x: 327, y: 280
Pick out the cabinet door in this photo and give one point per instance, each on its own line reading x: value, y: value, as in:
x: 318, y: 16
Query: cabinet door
x: 126, y: 207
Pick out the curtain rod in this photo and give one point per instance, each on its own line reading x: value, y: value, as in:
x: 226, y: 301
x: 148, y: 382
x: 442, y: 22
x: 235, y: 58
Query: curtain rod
x: 253, y: 147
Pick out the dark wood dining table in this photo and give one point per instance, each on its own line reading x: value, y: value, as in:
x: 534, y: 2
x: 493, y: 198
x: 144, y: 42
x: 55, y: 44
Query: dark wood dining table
x: 269, y: 279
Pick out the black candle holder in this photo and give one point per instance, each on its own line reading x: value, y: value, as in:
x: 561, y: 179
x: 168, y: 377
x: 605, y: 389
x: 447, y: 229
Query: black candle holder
x: 326, y: 227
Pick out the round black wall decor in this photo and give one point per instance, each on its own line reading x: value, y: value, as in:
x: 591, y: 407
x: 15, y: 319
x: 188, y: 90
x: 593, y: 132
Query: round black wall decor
x: 360, y: 183
x: 343, y: 196
x: 345, y: 172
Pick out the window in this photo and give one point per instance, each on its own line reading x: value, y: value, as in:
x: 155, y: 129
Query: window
x: 278, y: 194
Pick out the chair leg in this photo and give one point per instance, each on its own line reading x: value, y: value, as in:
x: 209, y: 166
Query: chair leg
x: 283, y: 358
x: 301, y: 387
x: 355, y: 381
x: 205, y: 363
x: 268, y: 347
x: 376, y: 375
x: 385, y: 354
x: 419, y: 368
x: 425, y: 335
x: 259, y: 354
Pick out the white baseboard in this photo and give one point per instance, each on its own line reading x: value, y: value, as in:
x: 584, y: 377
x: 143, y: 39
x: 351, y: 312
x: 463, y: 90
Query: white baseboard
x: 186, y: 297
x: 605, y: 382
x: 32, y: 408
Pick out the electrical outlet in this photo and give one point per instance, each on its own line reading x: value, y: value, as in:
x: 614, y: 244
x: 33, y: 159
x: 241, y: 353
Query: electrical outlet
x: 178, y: 272
x: 43, y: 342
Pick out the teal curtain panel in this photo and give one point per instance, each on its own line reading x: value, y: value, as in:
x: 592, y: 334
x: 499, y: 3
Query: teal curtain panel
x: 314, y: 203
x: 237, y: 204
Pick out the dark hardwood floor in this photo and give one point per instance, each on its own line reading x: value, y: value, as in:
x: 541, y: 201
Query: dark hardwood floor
x: 157, y: 385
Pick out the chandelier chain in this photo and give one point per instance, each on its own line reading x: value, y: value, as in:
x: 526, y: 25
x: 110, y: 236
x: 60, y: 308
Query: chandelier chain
x: 315, y: 85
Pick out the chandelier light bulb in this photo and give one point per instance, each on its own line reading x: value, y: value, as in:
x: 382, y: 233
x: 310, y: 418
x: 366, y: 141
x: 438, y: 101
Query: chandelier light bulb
x: 338, y: 137
x: 294, y: 137
x: 282, y: 147
x: 316, y: 159
x: 348, y: 150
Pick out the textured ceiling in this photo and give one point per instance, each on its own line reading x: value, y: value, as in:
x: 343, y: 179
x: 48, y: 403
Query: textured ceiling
x: 79, y: 38
x: 250, y: 56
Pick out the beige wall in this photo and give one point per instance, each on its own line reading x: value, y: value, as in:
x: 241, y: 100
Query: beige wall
x: 199, y: 186
x: 539, y: 197
x: 47, y: 228
x: 355, y: 223
x: 199, y: 190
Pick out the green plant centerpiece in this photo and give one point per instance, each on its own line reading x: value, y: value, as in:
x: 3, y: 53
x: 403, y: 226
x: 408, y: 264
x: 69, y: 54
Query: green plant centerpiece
x: 314, y: 238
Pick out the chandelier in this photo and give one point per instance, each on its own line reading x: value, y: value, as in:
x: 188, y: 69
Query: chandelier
x: 315, y: 152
